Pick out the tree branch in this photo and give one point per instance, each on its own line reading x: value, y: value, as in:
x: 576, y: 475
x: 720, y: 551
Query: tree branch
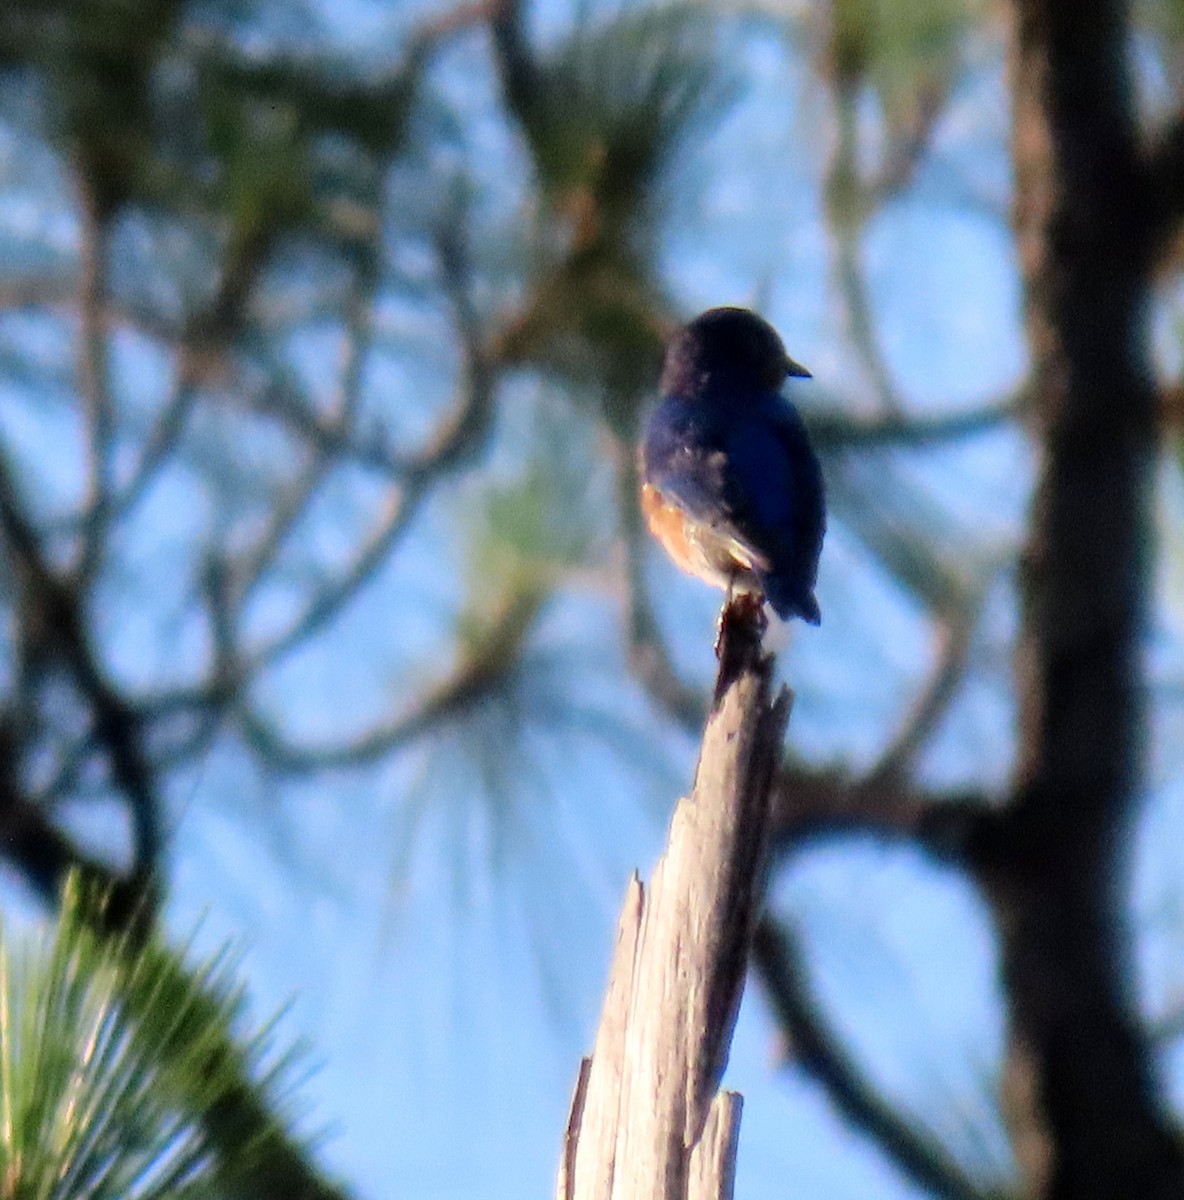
x: 810, y: 804
x: 861, y: 324
x: 831, y: 429
x: 94, y: 379
x: 483, y: 670
x: 907, y: 150
x: 44, y: 856
x: 251, y: 566
x: 954, y: 635
x: 518, y: 70
x: 159, y: 446
x: 115, y: 723
x: 454, y: 446
x: 464, y: 16
x: 1163, y: 179
x: 817, y: 1051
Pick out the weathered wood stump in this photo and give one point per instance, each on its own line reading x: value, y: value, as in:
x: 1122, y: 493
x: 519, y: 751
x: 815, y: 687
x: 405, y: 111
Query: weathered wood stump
x: 648, y: 1121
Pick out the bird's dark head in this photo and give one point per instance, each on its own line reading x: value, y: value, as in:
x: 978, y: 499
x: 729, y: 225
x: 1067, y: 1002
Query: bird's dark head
x: 726, y: 350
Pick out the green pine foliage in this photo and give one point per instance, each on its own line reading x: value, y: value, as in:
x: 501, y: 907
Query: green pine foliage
x: 604, y: 115
x: 120, y: 1071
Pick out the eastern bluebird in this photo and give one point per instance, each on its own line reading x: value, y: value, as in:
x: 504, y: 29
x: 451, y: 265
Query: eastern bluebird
x: 730, y: 484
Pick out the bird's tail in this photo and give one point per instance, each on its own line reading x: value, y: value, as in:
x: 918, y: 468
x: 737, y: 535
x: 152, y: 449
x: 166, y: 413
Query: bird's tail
x: 790, y: 601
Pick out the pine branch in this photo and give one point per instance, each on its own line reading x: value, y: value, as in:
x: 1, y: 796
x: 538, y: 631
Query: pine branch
x: 834, y: 430
x: 1163, y: 177
x: 484, y: 668
x: 811, y: 803
x: 818, y: 1052
x: 60, y: 604
x: 94, y: 379
x: 123, y: 1073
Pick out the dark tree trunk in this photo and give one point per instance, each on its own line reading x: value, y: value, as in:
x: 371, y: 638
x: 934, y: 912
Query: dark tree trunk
x: 1081, y: 1099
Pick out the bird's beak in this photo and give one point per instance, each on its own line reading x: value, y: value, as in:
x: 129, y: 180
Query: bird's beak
x: 796, y: 370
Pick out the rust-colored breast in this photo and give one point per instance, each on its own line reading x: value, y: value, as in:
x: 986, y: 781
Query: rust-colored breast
x: 698, y: 551
x: 668, y: 523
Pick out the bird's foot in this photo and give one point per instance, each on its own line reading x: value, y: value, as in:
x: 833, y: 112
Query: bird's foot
x: 741, y: 610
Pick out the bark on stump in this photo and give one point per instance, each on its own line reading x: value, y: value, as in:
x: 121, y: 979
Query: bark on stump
x: 648, y: 1121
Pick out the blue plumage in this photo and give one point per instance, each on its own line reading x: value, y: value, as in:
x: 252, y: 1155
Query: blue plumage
x: 731, y: 485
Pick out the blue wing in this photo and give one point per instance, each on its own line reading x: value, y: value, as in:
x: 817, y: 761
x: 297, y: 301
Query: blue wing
x: 747, y: 472
x: 684, y: 457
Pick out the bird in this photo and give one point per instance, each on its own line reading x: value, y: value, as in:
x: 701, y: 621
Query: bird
x: 730, y: 485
